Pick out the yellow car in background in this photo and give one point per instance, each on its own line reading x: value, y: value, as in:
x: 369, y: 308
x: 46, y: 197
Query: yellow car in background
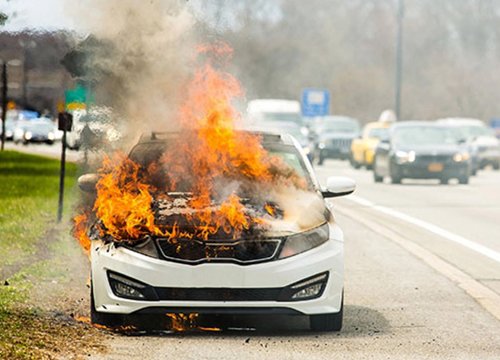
x: 363, y: 149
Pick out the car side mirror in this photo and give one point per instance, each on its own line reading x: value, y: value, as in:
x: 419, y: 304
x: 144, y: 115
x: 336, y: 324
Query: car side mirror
x: 338, y: 186
x: 87, y: 182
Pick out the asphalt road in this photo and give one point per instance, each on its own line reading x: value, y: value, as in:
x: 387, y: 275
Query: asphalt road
x: 422, y: 282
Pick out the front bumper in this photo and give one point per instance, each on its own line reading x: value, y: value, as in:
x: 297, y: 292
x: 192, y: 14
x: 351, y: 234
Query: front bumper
x: 165, y: 274
x: 423, y: 170
x: 335, y: 153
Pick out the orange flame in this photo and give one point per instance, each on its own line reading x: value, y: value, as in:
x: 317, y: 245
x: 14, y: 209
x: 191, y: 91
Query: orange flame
x: 80, y: 229
x: 209, y: 156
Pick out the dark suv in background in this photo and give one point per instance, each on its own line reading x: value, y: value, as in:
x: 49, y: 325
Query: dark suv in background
x: 421, y: 150
x: 334, y: 137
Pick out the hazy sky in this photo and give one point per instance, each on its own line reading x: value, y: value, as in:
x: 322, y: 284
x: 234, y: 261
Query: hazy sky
x: 39, y: 14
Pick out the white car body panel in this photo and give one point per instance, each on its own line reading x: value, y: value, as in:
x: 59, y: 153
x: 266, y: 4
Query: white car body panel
x: 162, y: 273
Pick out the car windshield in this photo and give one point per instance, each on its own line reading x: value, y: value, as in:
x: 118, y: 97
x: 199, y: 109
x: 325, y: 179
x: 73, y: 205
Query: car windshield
x: 339, y: 126
x: 423, y: 135
x: 378, y: 133
x: 147, y: 153
x: 476, y: 130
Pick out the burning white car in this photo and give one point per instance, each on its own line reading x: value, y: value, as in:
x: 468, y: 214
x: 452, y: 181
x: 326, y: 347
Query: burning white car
x: 248, y: 233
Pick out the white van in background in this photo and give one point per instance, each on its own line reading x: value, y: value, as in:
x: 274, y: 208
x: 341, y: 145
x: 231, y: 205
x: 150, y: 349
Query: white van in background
x: 271, y: 112
x: 280, y: 116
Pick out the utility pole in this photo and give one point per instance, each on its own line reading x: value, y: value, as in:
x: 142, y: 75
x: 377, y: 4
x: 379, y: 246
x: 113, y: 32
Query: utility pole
x: 4, y: 101
x: 399, y: 59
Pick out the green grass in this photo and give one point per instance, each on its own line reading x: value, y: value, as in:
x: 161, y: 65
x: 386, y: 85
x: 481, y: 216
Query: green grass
x: 30, y: 252
x: 29, y: 186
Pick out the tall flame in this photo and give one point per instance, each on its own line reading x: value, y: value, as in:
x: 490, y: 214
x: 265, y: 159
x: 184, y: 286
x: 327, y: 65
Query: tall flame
x: 209, y: 157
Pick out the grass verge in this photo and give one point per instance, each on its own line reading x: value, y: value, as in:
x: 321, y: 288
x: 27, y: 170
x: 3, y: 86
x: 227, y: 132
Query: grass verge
x: 37, y: 262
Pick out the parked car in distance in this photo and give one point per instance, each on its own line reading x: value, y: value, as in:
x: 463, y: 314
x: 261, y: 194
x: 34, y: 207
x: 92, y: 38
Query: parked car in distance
x: 363, y: 148
x: 421, y: 150
x: 298, y: 272
x: 334, y: 137
x: 35, y: 131
x: 480, y: 138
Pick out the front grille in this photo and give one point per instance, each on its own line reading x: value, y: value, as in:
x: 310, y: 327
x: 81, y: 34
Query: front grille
x: 340, y: 144
x: 435, y: 158
x: 218, y: 294
x: 197, y: 251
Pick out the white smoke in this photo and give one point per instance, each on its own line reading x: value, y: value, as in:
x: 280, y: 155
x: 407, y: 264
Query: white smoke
x: 150, y: 55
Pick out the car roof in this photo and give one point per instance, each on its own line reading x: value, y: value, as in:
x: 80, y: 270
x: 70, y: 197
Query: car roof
x: 414, y: 123
x: 461, y: 121
x: 378, y: 125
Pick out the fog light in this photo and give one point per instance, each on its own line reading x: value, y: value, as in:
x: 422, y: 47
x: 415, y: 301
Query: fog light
x: 306, y: 289
x: 126, y: 288
x: 127, y: 291
x: 308, y: 292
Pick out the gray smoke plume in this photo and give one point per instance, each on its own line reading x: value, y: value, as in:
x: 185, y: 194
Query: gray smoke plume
x: 145, y: 57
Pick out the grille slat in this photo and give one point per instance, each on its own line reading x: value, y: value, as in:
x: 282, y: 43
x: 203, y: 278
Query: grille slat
x: 196, y: 251
x: 435, y: 158
x: 218, y: 294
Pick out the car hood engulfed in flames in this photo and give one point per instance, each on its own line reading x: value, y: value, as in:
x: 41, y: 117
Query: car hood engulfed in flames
x: 209, y: 182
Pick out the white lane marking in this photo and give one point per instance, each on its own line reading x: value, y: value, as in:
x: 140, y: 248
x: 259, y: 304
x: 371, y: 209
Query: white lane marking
x: 489, y: 299
x: 481, y: 249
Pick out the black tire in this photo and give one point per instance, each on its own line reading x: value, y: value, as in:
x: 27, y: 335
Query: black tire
x: 321, y: 159
x: 463, y: 180
x: 496, y: 166
x: 377, y: 178
x: 395, y: 176
x: 443, y: 181
x: 328, y: 322
x: 103, y: 319
x: 354, y: 163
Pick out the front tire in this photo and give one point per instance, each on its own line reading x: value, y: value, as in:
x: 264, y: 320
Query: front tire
x: 395, y: 176
x: 463, y: 180
x: 328, y: 322
x: 103, y: 319
x: 321, y: 159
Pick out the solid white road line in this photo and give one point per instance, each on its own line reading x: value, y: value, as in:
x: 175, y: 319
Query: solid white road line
x: 486, y: 297
x: 481, y: 249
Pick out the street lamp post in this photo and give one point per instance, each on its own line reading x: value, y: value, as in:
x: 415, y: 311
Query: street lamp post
x: 399, y: 59
x: 4, y: 101
x: 14, y: 62
x: 26, y: 45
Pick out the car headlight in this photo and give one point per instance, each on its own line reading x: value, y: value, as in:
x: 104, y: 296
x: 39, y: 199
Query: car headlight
x: 8, y: 133
x: 321, y: 145
x: 144, y: 246
x: 296, y: 244
x: 403, y: 157
x: 28, y: 135
x: 459, y: 157
x: 51, y: 136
